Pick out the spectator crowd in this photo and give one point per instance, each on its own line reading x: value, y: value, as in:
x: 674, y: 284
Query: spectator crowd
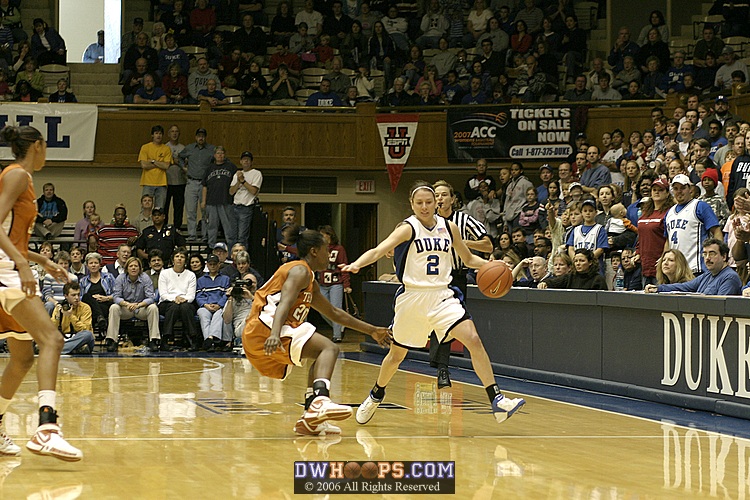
x: 659, y: 211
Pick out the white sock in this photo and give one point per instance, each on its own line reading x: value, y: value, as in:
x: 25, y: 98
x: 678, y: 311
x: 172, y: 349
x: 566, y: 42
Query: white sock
x: 47, y: 398
x: 4, y: 403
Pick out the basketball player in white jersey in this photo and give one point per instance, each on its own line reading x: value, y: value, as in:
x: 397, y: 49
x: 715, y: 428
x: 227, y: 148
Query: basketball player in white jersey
x: 425, y: 302
x: 476, y: 238
x: 689, y: 223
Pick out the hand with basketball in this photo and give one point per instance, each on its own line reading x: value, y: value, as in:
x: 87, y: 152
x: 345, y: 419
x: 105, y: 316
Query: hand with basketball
x: 494, y: 279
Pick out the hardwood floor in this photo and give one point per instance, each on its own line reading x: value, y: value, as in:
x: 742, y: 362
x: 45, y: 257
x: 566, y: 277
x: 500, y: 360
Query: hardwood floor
x: 212, y: 428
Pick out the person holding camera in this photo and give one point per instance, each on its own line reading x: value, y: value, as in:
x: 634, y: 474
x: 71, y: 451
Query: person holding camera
x: 73, y: 318
x: 239, y: 298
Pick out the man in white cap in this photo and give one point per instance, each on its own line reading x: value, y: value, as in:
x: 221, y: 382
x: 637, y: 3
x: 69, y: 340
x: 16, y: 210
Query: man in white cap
x: 689, y: 223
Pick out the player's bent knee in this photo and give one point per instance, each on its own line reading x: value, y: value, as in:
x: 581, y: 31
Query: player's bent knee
x: 55, y: 342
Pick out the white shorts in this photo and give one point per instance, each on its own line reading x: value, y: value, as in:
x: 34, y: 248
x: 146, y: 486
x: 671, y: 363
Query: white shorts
x: 10, y: 279
x: 419, y: 312
x: 299, y: 336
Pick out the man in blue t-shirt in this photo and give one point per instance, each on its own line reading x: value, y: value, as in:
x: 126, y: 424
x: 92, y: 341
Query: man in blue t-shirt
x: 149, y: 93
x: 475, y: 95
x: 324, y: 97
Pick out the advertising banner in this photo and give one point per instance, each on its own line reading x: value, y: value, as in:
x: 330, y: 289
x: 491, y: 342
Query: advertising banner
x: 518, y: 132
x: 70, y: 129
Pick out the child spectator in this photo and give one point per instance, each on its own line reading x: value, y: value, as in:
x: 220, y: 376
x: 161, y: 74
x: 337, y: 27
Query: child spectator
x: 324, y: 52
x: 589, y: 235
x: 709, y: 181
x: 575, y: 193
x: 95, y: 222
x: 519, y: 243
x: 453, y: 91
x: 621, y: 233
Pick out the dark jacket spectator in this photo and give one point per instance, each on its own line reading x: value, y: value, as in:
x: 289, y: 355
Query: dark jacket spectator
x: 56, y: 52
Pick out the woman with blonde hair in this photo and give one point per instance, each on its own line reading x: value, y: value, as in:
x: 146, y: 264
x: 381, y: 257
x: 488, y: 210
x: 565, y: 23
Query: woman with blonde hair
x: 672, y: 267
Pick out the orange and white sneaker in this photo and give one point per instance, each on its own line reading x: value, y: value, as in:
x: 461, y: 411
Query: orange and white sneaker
x: 7, y: 447
x: 323, y: 409
x: 323, y: 429
x: 48, y: 440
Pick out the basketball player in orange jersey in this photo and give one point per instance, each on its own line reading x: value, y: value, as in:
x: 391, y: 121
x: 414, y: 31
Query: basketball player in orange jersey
x: 425, y: 302
x: 277, y: 337
x: 22, y: 314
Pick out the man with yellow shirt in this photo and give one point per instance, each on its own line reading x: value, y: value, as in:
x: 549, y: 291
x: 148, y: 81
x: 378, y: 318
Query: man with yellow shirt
x: 155, y: 158
x: 73, y: 320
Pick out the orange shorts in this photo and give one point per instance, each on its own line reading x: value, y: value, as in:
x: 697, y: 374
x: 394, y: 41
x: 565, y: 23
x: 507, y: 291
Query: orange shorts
x: 279, y: 364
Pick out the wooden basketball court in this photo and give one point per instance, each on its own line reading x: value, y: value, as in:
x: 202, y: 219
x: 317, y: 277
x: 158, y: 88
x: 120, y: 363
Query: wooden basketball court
x: 176, y: 427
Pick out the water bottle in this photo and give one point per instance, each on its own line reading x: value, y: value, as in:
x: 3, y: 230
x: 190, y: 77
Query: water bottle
x: 619, y: 280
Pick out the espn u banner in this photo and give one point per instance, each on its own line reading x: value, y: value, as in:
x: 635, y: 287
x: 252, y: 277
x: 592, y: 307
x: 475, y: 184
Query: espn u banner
x: 517, y: 132
x: 397, y: 134
x: 70, y: 129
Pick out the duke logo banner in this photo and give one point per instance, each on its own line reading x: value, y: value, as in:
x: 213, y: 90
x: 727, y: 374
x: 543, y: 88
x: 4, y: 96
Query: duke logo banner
x: 518, y: 132
x: 70, y: 129
x: 397, y: 134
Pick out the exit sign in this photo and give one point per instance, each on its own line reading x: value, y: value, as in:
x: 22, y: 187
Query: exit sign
x: 364, y: 186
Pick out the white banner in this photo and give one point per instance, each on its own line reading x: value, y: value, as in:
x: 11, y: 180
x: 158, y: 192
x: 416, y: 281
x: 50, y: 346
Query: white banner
x: 397, y: 133
x: 70, y: 129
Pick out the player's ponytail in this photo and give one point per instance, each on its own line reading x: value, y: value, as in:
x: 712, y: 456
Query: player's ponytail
x: 20, y: 139
x: 308, y: 239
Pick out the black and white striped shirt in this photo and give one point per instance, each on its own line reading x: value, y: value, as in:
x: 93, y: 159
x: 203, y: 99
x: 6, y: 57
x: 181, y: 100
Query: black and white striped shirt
x: 470, y: 229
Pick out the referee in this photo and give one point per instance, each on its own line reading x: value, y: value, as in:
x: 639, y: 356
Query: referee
x: 476, y: 238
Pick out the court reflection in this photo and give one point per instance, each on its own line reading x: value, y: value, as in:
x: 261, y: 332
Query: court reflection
x: 144, y: 424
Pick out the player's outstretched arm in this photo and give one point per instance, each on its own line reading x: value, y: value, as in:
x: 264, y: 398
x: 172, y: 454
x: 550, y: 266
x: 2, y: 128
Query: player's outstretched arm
x: 399, y: 235
x: 469, y: 258
x: 381, y: 334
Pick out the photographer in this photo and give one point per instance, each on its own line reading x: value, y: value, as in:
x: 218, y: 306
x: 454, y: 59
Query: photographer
x: 73, y: 318
x: 239, y: 298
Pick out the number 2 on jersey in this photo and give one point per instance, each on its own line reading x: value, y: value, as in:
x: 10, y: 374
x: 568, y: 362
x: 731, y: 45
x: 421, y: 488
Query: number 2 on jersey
x: 433, y: 261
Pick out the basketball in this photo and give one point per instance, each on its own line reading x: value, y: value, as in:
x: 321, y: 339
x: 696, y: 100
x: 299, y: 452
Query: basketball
x: 352, y: 470
x: 369, y: 470
x: 494, y: 279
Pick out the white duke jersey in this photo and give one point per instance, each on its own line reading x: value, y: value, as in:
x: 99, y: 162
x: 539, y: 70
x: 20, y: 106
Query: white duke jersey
x: 686, y: 232
x: 588, y: 240
x: 424, y: 261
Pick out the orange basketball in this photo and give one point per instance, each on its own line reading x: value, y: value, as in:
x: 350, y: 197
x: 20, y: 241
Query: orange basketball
x: 369, y: 470
x: 352, y: 470
x: 494, y: 279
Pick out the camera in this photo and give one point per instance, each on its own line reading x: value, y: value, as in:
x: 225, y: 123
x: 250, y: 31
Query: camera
x: 237, y: 290
x: 65, y: 305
